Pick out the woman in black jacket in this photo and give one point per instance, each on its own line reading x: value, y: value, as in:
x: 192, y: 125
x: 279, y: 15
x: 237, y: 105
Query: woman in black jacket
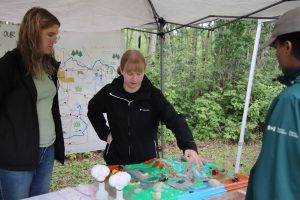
x: 134, y: 107
x: 31, y: 132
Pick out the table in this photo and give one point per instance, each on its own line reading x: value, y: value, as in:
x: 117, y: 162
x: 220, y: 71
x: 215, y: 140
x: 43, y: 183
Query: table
x: 87, y: 192
x: 212, y: 179
x: 81, y: 192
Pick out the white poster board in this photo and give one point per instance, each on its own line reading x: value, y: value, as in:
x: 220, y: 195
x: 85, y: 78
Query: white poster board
x: 8, y: 37
x: 88, y: 62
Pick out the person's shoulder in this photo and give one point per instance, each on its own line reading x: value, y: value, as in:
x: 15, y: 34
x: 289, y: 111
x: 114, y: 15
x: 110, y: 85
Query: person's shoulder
x: 157, y: 96
x: 10, y: 56
x: 291, y: 92
x: 147, y: 84
x: 106, y: 88
x: 101, y: 94
x: 154, y: 90
x: 10, y: 61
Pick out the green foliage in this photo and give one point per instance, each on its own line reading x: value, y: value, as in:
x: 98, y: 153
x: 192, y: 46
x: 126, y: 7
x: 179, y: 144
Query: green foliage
x: 205, y: 78
x: 207, y: 117
x: 74, y: 156
x: 71, y: 156
x: 76, y: 170
x: 232, y: 46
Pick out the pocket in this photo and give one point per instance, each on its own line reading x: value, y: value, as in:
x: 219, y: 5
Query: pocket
x: 155, y: 149
x: 144, y: 151
x: 108, y: 147
x: 108, y: 154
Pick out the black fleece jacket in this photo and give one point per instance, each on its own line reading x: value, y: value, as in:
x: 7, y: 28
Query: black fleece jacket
x: 133, y: 121
x: 19, y: 133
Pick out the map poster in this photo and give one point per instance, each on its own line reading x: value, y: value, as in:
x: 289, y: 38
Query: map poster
x: 88, y: 62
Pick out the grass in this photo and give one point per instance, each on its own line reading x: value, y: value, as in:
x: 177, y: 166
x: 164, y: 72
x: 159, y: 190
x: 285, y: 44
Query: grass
x: 77, y: 167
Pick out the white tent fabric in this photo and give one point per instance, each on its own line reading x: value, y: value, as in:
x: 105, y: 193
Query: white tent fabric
x: 107, y: 15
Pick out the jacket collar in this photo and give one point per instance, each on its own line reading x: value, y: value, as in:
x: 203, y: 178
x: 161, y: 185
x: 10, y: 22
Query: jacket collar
x: 290, y: 77
x: 143, y: 93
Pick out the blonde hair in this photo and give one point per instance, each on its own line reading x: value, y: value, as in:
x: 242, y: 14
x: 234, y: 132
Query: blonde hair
x: 34, y: 21
x: 132, y: 60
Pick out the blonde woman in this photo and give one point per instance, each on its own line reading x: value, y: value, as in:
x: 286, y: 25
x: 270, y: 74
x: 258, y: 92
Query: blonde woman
x: 134, y: 108
x: 31, y: 133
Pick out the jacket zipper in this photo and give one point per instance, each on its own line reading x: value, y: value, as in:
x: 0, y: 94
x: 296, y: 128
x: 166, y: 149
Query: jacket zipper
x: 129, y: 102
x: 128, y: 121
x: 155, y: 148
x: 108, y: 148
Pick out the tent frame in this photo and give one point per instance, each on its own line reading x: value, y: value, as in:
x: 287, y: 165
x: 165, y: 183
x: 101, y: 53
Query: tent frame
x: 160, y: 23
x: 248, y: 95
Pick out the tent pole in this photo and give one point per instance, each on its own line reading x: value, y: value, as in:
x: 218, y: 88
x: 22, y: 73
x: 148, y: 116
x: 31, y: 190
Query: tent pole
x: 162, y: 90
x: 160, y: 27
x: 248, y: 95
x: 161, y: 35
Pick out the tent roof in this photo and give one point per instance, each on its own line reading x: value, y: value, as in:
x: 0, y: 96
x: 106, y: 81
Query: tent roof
x: 106, y: 15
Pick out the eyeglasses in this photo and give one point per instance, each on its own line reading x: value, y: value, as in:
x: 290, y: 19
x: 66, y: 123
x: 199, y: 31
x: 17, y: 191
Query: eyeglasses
x: 53, y: 36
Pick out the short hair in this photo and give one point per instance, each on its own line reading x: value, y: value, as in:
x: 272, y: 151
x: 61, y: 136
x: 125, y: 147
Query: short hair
x: 34, y: 21
x: 294, y: 38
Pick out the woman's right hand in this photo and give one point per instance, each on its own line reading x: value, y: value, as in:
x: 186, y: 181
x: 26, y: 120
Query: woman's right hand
x: 109, y: 138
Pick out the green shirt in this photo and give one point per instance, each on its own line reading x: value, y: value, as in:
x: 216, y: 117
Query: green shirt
x: 46, y: 91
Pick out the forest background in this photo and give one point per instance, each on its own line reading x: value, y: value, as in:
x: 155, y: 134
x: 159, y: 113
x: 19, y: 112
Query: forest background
x: 206, y: 74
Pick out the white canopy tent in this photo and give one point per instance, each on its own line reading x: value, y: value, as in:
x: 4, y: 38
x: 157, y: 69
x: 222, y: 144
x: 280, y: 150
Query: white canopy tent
x: 107, y: 15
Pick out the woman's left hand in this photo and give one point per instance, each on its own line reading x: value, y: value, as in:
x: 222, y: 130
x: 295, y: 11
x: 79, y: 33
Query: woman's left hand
x: 192, y: 157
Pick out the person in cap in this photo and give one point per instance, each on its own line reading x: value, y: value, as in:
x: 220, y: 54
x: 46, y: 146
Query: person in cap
x: 276, y: 173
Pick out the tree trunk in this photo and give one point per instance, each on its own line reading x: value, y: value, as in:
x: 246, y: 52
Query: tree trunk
x: 195, y: 43
x: 151, y: 43
x: 129, y: 37
x: 138, y: 40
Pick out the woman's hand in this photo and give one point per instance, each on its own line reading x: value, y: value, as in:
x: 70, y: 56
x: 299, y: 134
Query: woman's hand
x: 192, y: 157
x: 109, y: 138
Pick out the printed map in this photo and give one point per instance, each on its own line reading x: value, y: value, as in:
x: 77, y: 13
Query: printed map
x: 88, y: 62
